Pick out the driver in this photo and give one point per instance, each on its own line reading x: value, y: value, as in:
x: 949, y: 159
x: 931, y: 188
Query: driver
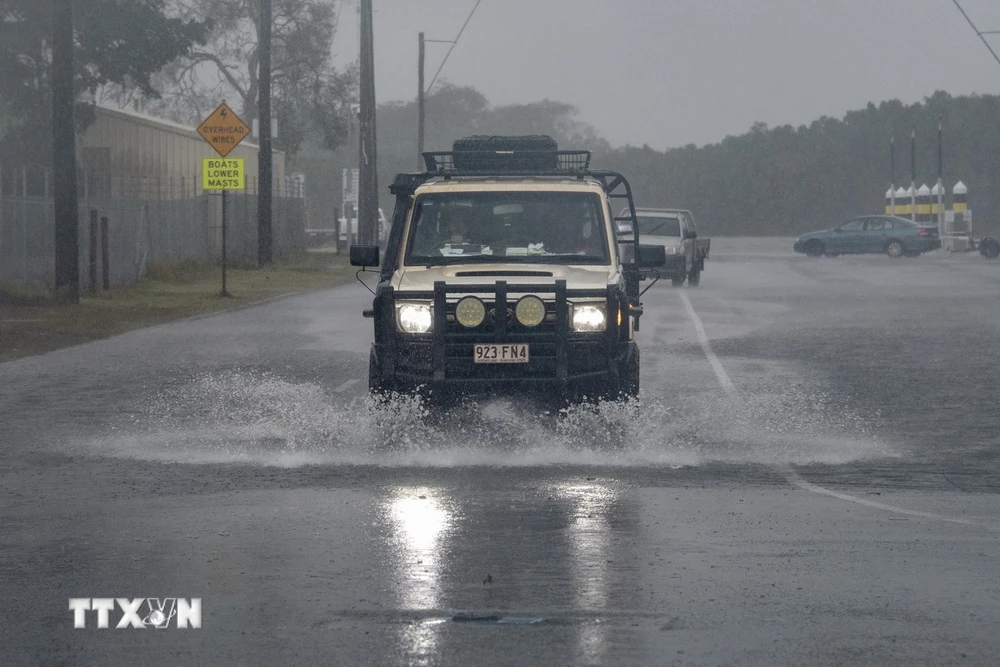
x: 456, y: 230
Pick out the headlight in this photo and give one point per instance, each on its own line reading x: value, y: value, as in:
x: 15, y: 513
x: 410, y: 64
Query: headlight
x: 470, y: 312
x: 671, y: 249
x: 414, y: 317
x: 588, y: 318
x: 530, y: 310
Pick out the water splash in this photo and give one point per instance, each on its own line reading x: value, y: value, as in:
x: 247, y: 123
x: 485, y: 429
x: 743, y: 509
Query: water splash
x: 261, y: 418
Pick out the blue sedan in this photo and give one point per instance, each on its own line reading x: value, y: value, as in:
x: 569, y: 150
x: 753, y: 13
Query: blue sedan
x: 894, y: 236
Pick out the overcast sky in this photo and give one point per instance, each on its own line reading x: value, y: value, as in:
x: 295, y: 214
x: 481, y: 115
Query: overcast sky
x: 673, y: 72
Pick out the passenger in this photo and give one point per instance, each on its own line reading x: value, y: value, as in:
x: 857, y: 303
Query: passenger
x: 570, y: 234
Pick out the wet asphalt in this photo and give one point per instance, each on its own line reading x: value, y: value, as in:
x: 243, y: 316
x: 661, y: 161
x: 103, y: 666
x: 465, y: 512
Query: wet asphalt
x: 815, y: 481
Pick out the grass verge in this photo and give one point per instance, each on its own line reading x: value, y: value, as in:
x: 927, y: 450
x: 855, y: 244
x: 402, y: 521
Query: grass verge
x: 32, y: 322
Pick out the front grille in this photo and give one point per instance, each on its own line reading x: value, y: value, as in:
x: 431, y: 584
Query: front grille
x: 416, y: 359
x: 555, y: 352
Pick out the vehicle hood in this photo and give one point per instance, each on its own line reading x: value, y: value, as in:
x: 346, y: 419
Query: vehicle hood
x: 576, y: 277
x: 816, y: 234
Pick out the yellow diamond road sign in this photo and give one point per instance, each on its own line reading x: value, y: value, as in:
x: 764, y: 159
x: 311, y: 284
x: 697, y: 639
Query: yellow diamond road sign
x: 224, y: 130
x: 223, y: 174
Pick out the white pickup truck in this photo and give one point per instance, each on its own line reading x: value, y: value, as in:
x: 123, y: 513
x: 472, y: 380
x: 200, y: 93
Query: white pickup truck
x: 503, y: 271
x: 675, y: 230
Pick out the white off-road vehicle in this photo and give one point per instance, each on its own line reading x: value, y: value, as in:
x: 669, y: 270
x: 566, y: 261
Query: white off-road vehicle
x: 506, y: 269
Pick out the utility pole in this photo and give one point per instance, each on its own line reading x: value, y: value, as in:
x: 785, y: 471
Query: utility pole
x: 422, y: 93
x: 420, y: 78
x: 67, y: 229
x: 367, y: 158
x: 913, y: 174
x: 892, y: 160
x: 892, y: 174
x: 940, y: 155
x: 264, y: 161
x: 940, y: 180
x: 420, y: 102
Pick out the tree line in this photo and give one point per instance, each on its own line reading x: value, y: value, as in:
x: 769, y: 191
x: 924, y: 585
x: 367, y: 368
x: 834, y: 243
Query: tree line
x: 788, y: 180
x: 768, y: 181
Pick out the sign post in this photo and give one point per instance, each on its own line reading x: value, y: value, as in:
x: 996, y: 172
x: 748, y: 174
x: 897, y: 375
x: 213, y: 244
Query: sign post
x: 223, y: 130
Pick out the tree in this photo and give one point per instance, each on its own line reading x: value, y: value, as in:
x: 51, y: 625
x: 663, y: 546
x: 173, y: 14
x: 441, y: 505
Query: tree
x: 309, y: 95
x: 118, y: 42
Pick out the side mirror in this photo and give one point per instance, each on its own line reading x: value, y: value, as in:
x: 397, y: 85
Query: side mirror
x: 690, y: 235
x: 364, y: 255
x: 651, y: 256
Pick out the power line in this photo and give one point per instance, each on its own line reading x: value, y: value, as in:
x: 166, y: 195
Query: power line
x: 980, y: 34
x: 455, y: 43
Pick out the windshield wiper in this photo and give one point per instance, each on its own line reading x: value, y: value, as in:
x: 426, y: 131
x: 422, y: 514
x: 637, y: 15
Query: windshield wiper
x: 458, y: 259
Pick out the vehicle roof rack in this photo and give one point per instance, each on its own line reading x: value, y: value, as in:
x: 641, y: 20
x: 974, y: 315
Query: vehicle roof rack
x: 507, y: 163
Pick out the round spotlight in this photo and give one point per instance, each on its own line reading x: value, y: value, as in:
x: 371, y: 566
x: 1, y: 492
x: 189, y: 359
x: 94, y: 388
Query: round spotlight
x: 470, y: 312
x: 530, y: 311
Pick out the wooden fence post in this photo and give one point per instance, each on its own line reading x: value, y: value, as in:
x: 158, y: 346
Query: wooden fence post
x: 93, y: 250
x: 105, y: 265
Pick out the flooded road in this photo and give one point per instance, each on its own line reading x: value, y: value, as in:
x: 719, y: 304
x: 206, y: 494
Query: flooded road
x: 811, y: 478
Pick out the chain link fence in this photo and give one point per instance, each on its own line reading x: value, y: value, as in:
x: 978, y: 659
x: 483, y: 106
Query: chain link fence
x: 149, y: 221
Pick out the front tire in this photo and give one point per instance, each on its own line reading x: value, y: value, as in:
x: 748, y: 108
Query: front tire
x: 989, y: 248
x: 677, y: 280
x: 815, y: 248
x: 377, y: 386
x: 694, y: 278
x: 895, y: 249
x: 630, y: 375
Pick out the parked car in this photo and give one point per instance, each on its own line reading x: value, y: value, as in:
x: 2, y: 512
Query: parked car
x: 892, y: 235
x: 675, y: 230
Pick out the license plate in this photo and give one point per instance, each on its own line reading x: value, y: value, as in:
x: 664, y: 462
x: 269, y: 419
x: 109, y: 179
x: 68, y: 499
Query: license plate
x: 500, y: 353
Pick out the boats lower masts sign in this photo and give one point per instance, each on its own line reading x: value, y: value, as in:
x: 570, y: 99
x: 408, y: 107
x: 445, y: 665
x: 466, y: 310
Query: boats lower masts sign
x: 223, y: 174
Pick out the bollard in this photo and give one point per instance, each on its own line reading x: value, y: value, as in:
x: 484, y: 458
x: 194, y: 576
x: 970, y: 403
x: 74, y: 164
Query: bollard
x: 937, y: 199
x: 902, y: 202
x: 105, y: 264
x: 924, y: 204
x: 960, y: 207
x: 959, y: 198
x: 93, y: 250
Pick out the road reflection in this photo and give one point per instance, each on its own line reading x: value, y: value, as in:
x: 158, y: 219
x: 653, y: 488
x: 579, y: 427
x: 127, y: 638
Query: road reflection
x: 420, y: 522
x: 589, y: 556
x: 560, y: 551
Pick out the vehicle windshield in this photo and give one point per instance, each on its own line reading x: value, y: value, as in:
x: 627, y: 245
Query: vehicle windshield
x: 655, y: 225
x: 513, y: 226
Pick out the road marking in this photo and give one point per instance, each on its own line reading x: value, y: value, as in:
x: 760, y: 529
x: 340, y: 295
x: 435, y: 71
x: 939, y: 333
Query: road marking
x: 344, y: 386
x: 797, y: 480
x: 793, y: 477
x: 706, y: 346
